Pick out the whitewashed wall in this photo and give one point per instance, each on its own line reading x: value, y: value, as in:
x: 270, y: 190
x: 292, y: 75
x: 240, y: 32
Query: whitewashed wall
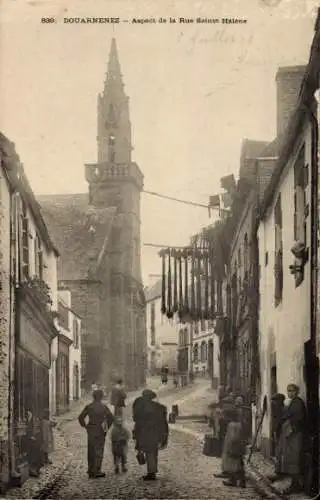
x: 165, y: 331
x: 74, y: 351
x: 285, y: 328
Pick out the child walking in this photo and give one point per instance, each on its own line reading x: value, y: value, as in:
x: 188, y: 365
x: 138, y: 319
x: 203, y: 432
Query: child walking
x: 119, y: 442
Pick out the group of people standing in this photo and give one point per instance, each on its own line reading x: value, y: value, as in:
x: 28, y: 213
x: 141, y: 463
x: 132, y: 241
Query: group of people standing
x: 289, y: 432
x: 231, y: 428
x: 150, y: 431
x: 289, y: 428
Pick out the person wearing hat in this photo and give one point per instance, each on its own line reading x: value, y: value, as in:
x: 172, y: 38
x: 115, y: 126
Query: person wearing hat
x: 119, y: 441
x: 293, y: 429
x: 151, y: 430
x: 100, y: 420
x: 118, y: 398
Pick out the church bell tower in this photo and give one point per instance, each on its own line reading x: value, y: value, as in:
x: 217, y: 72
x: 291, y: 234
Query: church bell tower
x: 116, y: 181
x: 114, y: 127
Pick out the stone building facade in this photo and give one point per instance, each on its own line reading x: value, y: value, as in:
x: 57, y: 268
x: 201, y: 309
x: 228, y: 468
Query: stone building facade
x: 29, y: 311
x: 256, y: 166
x: 162, y: 333
x: 70, y: 324
x: 7, y: 174
x: 99, y: 237
x: 288, y: 246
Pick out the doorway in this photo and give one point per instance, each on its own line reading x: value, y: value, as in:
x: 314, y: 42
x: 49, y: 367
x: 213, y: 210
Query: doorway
x: 273, y: 390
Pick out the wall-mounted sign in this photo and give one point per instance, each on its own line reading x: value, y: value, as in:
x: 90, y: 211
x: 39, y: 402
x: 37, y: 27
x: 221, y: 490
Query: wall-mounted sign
x: 33, y: 341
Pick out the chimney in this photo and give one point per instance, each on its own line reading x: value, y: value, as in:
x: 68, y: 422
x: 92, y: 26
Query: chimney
x: 288, y: 81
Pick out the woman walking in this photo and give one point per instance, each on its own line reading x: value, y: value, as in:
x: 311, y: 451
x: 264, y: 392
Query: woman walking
x: 234, y: 451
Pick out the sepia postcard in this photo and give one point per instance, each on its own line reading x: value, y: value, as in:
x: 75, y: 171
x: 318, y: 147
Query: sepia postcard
x: 159, y: 249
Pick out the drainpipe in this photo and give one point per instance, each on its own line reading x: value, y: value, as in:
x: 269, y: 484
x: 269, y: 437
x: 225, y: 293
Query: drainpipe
x: 315, y: 328
x: 11, y: 345
x: 314, y: 224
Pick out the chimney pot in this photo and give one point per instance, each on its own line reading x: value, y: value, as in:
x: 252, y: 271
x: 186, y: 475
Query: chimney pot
x: 288, y: 80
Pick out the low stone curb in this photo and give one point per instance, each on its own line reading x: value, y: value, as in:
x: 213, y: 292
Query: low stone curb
x: 48, y: 476
x: 261, y: 484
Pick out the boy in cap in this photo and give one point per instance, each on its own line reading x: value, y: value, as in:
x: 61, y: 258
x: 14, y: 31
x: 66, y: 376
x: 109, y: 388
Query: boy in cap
x: 119, y: 442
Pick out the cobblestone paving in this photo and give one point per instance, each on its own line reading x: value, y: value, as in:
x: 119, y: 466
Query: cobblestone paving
x: 183, y: 472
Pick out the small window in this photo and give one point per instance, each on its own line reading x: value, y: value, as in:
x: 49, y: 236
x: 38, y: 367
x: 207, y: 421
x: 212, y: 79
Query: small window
x: 38, y: 255
x: 75, y: 333
x: 203, y: 354
x: 203, y: 324
x: 266, y: 258
x: 195, y: 353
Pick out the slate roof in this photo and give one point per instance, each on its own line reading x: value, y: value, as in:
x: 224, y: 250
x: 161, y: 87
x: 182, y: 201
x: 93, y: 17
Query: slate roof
x: 18, y: 180
x: 310, y: 84
x: 154, y: 292
x: 79, y: 232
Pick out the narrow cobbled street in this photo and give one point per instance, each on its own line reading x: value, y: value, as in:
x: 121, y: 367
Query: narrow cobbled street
x: 183, y: 471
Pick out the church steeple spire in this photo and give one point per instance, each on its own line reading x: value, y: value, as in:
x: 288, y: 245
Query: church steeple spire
x: 114, y: 127
x: 114, y: 72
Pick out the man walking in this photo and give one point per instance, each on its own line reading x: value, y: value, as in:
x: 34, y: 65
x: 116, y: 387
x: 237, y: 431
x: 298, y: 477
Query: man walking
x: 151, y: 430
x: 100, y: 420
x: 118, y: 398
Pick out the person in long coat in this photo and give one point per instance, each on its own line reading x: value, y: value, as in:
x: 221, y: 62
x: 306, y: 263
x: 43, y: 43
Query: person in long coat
x: 234, y: 450
x: 293, y: 428
x: 100, y: 420
x: 151, y: 429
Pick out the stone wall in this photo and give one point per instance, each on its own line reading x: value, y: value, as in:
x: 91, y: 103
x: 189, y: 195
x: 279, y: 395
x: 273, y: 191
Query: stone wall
x: 4, y: 325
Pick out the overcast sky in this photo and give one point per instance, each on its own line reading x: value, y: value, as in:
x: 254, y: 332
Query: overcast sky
x: 195, y: 92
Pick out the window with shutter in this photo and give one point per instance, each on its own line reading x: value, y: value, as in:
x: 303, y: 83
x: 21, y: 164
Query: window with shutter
x: 300, y: 184
x: 196, y: 353
x: 153, y: 326
x: 25, y: 242
x: 301, y: 208
x: 38, y: 256
x: 278, y: 266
